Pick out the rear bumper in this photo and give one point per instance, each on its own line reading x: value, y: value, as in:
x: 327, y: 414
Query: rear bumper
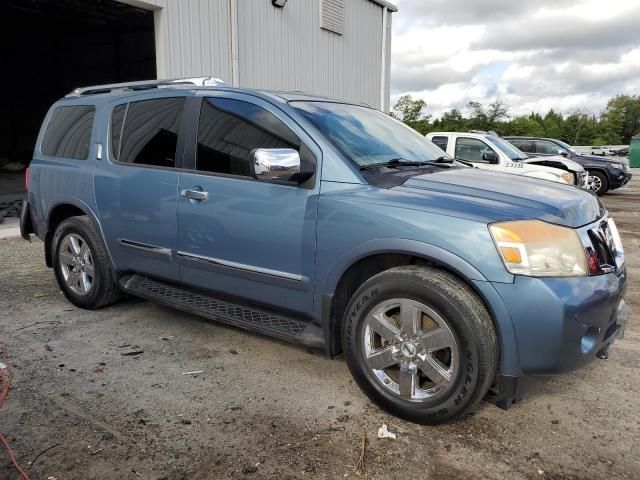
x: 560, y: 324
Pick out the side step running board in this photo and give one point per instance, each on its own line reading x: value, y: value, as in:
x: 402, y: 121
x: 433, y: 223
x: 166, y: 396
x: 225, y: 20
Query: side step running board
x: 274, y: 324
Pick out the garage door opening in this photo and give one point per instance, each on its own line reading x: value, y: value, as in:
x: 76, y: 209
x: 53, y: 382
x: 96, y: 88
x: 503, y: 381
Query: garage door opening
x: 50, y: 47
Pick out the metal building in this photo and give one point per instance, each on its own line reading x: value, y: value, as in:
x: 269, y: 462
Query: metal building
x: 338, y: 48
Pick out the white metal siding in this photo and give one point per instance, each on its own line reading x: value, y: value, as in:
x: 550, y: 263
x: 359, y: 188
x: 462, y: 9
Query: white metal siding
x: 285, y: 48
x: 278, y: 48
x: 192, y: 37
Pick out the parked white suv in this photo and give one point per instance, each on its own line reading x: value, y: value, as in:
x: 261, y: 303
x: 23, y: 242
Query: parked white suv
x: 490, y: 152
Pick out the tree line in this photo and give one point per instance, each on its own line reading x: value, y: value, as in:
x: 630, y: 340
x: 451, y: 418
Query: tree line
x: 615, y: 125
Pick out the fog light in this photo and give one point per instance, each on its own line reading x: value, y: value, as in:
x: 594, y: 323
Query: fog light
x: 589, y: 340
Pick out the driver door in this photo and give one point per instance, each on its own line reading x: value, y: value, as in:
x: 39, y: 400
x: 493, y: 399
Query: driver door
x: 248, y: 238
x: 480, y: 153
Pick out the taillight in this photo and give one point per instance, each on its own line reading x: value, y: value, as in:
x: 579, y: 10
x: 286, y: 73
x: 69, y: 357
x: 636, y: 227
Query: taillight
x: 26, y: 178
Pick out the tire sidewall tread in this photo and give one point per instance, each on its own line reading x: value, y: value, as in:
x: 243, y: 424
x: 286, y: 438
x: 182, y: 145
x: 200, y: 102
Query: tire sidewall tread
x: 466, y: 315
x: 105, y: 288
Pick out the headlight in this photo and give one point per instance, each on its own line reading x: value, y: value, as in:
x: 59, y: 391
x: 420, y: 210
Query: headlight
x: 568, y: 177
x: 539, y: 249
x: 617, y: 165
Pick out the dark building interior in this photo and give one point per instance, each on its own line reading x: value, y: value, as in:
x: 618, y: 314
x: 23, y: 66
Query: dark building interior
x: 50, y: 47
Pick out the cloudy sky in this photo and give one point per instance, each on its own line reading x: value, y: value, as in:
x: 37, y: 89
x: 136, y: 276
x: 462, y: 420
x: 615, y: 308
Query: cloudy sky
x: 533, y: 54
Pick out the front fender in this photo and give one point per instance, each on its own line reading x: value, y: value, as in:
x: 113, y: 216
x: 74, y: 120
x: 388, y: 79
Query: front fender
x: 415, y: 248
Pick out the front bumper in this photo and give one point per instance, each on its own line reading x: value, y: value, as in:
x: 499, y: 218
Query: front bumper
x: 560, y: 324
x: 620, y: 179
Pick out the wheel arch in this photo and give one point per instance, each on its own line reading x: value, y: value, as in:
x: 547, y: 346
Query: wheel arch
x: 67, y: 208
x: 345, y: 279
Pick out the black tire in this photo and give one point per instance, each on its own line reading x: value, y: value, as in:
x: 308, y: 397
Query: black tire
x: 104, y: 287
x: 604, y: 183
x: 465, y: 315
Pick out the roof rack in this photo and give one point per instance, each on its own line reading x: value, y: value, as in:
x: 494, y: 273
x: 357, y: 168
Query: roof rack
x: 147, y: 85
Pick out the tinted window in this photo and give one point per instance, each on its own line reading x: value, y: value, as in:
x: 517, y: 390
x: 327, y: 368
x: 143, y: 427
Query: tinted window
x: 471, y: 149
x: 441, y: 142
x: 230, y: 129
x: 150, y: 134
x: 117, y: 120
x: 546, y: 148
x: 367, y: 136
x: 524, y: 145
x: 69, y: 132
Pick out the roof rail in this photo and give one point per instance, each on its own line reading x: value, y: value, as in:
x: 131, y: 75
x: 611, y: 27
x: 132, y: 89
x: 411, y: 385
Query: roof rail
x: 146, y: 85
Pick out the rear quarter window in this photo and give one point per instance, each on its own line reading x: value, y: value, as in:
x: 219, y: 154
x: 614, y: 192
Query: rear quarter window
x: 68, y: 133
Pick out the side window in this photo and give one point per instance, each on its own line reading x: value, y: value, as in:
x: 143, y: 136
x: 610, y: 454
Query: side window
x: 472, y: 150
x: 525, y: 145
x: 68, y: 133
x: 441, y: 142
x: 546, y: 148
x: 150, y: 134
x: 230, y: 129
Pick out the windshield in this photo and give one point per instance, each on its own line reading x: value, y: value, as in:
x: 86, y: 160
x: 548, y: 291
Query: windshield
x: 567, y: 147
x: 509, y: 150
x: 367, y: 136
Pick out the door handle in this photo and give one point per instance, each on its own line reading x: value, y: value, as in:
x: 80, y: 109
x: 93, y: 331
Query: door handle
x: 195, y: 194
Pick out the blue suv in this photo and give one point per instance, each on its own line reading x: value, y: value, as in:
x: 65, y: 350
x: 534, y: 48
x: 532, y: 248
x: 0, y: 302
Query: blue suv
x: 331, y: 225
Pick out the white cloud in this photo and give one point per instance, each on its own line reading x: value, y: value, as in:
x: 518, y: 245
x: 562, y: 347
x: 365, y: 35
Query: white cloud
x: 563, y: 54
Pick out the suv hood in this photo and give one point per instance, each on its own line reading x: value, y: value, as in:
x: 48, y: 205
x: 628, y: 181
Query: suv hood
x: 557, y: 161
x: 603, y: 160
x: 493, y: 197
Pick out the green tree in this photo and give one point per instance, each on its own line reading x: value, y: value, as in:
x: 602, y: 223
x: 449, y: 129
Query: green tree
x: 412, y: 112
x: 525, y: 126
x: 553, y: 125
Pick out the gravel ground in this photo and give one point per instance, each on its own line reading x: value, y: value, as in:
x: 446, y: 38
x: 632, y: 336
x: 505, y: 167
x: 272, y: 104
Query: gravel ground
x: 267, y: 409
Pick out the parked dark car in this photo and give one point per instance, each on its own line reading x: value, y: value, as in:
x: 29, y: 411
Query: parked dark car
x: 606, y: 174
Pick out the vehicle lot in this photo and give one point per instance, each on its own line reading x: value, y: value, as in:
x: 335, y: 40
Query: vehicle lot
x: 266, y: 409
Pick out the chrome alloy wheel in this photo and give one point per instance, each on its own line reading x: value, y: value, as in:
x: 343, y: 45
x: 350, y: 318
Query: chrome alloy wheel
x: 410, y: 349
x: 596, y: 184
x: 76, y: 264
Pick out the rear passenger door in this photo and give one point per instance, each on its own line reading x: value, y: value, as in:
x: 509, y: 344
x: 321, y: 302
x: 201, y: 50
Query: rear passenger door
x: 136, y: 184
x: 245, y: 237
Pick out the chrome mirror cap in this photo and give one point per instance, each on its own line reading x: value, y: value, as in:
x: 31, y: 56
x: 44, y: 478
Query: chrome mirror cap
x: 281, y: 164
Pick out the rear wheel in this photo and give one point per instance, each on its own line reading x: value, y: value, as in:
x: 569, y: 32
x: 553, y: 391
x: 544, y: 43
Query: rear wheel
x: 600, y: 183
x: 420, y: 344
x: 81, y: 265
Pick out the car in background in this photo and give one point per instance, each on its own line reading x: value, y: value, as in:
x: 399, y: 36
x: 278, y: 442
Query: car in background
x: 605, y: 174
x: 600, y: 150
x: 487, y: 151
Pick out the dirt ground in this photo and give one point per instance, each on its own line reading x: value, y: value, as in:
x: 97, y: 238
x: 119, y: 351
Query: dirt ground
x: 266, y: 409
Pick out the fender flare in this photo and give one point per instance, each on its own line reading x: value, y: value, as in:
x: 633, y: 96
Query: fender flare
x: 414, y: 248
x: 88, y: 211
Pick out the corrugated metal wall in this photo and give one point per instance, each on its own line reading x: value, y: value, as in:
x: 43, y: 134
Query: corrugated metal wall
x: 193, y: 37
x: 278, y: 48
x: 285, y: 48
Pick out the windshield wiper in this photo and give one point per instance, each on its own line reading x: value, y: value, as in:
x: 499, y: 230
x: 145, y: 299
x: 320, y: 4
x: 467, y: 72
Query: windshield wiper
x: 396, y: 162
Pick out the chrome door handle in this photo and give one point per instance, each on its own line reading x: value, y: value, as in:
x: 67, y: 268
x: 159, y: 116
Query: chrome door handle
x: 195, y: 194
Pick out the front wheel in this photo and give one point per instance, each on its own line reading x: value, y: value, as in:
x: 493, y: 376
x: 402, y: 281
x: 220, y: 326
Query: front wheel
x: 420, y: 344
x: 600, y: 183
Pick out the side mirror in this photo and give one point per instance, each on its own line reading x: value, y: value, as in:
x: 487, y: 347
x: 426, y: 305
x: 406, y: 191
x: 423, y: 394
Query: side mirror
x: 279, y: 164
x: 490, y: 156
x: 563, y: 152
